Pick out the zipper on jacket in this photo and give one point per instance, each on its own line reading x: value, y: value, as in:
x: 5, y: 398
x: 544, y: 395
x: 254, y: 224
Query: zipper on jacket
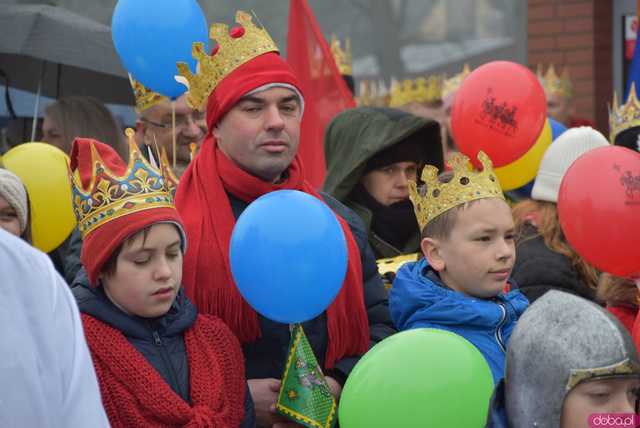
x: 167, y: 361
x: 498, y: 333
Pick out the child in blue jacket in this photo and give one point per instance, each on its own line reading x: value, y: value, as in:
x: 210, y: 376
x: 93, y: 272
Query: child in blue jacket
x: 469, y: 251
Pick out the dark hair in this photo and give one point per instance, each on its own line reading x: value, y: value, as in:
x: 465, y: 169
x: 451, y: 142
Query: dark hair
x: 110, y: 266
x: 628, y: 138
x: 85, y: 117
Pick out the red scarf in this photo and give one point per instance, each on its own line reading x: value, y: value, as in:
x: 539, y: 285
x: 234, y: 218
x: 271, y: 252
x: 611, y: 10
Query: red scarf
x: 204, y: 205
x: 134, y: 394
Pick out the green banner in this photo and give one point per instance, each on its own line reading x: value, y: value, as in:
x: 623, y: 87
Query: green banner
x: 305, y: 396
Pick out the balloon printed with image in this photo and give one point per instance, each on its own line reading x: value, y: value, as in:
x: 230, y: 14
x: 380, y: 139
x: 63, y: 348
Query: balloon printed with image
x: 43, y: 169
x: 418, y: 378
x: 599, y: 208
x: 288, y: 256
x: 500, y: 109
x: 152, y: 36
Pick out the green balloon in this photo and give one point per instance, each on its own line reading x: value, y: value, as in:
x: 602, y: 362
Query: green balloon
x: 418, y: 378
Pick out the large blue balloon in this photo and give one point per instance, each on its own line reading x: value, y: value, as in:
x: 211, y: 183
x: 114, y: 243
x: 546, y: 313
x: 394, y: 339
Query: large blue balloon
x: 288, y: 256
x: 152, y: 35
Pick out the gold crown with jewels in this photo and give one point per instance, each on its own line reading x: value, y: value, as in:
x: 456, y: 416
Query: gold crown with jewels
x: 420, y: 90
x: 145, y: 98
x: 110, y: 196
x: 343, y: 58
x: 234, y: 48
x: 625, y: 116
x: 434, y: 197
x: 453, y: 83
x: 554, y: 84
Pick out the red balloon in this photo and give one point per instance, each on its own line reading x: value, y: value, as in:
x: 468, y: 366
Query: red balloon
x: 500, y: 109
x: 599, y: 209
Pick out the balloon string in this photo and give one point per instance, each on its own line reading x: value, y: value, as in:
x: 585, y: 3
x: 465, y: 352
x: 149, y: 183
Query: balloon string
x: 173, y: 129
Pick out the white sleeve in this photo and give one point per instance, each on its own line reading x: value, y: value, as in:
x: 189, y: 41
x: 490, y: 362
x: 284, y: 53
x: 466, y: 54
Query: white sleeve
x: 82, y: 406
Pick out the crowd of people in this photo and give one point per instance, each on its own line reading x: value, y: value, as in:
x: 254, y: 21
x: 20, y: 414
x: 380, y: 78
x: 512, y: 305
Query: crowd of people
x: 135, y: 319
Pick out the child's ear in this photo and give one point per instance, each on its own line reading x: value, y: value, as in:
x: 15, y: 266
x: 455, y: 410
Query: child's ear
x: 431, y: 248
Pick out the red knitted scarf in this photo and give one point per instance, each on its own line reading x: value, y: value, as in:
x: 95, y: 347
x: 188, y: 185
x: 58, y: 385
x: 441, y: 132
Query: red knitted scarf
x: 134, y: 394
x: 204, y: 206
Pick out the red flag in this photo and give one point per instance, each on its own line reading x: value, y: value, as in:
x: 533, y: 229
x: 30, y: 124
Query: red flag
x: 325, y: 92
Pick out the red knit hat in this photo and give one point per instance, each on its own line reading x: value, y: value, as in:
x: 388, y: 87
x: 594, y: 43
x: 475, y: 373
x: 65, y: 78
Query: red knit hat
x: 113, y: 200
x: 244, y: 59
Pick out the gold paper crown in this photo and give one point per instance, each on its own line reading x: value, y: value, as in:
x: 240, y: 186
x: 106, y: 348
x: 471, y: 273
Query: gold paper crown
x: 625, y: 116
x: 372, y: 94
x: 434, y: 197
x: 233, y: 49
x: 110, y: 196
x: 342, y: 58
x: 453, y: 83
x: 554, y: 84
x: 420, y: 90
x: 145, y: 98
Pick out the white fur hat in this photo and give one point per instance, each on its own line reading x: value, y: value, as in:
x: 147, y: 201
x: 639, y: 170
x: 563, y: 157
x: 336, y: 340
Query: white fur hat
x: 12, y: 189
x: 558, y: 158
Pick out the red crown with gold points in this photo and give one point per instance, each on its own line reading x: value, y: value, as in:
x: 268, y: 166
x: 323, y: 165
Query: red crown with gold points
x: 110, y: 196
x: 167, y: 172
x: 234, y: 48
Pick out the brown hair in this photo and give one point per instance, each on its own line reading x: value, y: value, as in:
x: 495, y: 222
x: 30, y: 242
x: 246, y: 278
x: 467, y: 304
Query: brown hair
x: 85, y: 117
x: 111, y: 265
x: 544, y: 216
x: 616, y: 291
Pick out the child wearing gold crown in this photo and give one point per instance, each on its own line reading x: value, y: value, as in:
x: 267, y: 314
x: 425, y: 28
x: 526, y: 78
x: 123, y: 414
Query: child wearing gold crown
x: 469, y: 251
x: 159, y: 363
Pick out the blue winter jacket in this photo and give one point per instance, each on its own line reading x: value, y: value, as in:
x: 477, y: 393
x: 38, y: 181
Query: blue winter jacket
x: 418, y: 299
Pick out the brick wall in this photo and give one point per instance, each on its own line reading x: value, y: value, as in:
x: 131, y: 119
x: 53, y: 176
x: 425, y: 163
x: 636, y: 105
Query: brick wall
x: 577, y: 34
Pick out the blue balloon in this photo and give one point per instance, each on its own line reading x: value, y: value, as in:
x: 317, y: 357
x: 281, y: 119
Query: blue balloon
x: 288, y: 256
x: 150, y: 36
x: 557, y: 129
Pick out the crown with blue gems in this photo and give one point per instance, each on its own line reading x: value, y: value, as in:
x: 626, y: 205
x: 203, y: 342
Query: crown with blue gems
x: 110, y: 196
x: 435, y: 197
x: 234, y: 48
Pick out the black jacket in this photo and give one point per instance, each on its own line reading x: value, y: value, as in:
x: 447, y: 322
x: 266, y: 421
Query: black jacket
x: 159, y: 340
x: 265, y: 358
x: 538, y: 269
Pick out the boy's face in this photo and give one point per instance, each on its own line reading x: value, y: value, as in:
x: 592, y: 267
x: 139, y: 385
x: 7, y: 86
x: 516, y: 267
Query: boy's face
x: 477, y: 257
x: 598, y: 396
x: 148, y: 273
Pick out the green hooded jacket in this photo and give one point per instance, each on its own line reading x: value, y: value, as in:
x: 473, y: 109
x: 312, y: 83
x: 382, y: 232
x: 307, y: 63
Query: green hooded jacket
x: 355, y: 136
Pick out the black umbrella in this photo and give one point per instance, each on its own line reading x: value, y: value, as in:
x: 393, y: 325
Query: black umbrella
x: 61, y: 52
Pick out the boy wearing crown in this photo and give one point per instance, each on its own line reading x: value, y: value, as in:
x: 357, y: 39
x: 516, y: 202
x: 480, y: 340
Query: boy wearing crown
x: 254, y: 108
x: 469, y: 251
x: 158, y: 362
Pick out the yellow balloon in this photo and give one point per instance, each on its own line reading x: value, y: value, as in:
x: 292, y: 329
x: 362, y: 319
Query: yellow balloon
x: 43, y: 169
x: 523, y: 170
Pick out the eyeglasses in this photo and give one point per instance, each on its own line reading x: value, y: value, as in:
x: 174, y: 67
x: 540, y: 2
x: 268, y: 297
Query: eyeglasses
x: 182, y: 120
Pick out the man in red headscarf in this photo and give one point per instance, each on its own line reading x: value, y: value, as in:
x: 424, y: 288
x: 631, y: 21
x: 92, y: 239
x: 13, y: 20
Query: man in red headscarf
x: 254, y: 109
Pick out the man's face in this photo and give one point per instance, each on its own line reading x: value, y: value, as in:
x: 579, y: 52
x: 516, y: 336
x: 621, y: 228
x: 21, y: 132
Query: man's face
x: 390, y: 184
x: 559, y: 108
x: 261, y: 132
x: 155, y: 127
